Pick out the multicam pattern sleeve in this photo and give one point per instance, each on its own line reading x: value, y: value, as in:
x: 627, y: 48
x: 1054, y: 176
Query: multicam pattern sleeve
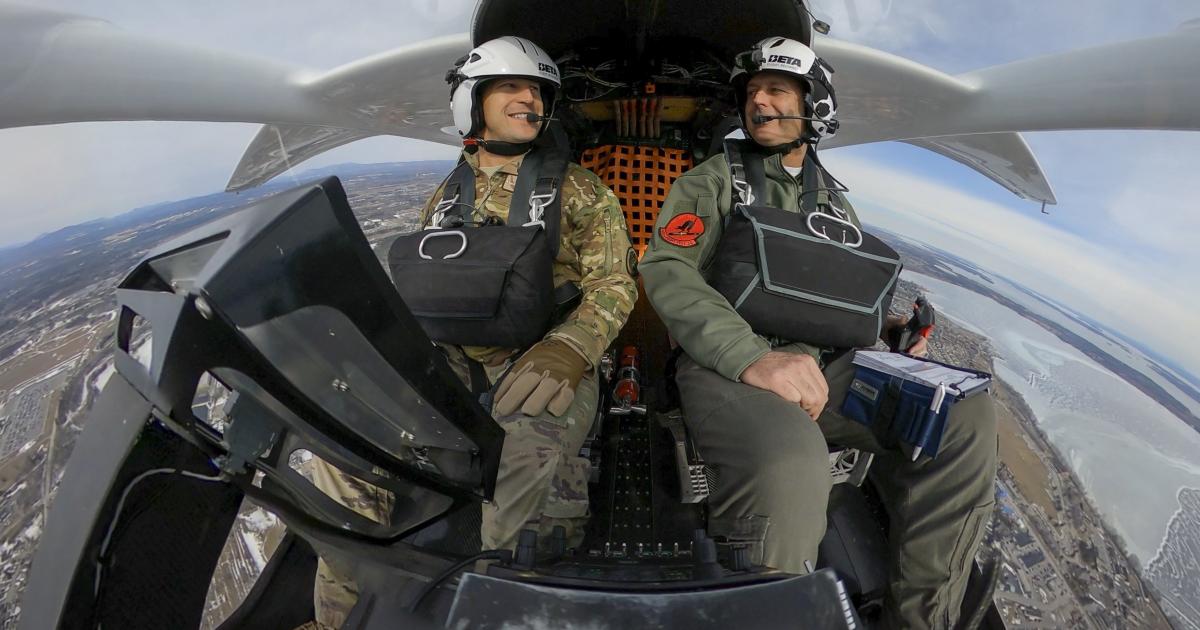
x: 596, y: 237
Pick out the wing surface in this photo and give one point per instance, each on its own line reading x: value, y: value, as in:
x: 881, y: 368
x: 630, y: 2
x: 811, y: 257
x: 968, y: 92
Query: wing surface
x: 1004, y: 158
x: 61, y: 68
x: 1151, y: 83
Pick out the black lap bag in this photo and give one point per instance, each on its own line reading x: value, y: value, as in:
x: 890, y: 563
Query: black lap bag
x: 788, y: 283
x: 477, y: 286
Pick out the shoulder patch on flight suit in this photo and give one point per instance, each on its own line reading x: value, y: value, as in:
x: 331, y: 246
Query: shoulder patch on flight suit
x: 682, y: 230
x: 631, y: 262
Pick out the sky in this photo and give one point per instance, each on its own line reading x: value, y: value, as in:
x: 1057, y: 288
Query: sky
x: 1117, y: 246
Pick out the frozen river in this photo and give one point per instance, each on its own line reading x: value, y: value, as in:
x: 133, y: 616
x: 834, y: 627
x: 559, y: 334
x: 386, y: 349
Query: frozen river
x: 1132, y: 455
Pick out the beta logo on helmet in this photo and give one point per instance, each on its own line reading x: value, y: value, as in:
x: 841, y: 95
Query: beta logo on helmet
x: 509, y: 56
x: 789, y: 56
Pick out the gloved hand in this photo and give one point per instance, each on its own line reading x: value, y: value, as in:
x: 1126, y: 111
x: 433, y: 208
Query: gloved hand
x: 544, y: 378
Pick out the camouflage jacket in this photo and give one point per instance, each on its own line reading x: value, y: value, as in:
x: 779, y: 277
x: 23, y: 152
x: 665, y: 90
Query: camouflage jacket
x: 697, y: 316
x: 593, y: 253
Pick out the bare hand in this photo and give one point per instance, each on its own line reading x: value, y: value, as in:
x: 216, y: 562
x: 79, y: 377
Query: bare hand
x: 793, y: 377
x: 919, y: 348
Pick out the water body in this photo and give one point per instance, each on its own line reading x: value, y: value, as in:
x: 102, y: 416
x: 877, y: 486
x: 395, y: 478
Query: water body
x: 1131, y: 454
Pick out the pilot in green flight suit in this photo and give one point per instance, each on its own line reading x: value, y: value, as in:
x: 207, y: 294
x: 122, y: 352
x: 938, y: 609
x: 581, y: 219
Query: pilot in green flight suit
x: 750, y: 402
x: 546, y: 394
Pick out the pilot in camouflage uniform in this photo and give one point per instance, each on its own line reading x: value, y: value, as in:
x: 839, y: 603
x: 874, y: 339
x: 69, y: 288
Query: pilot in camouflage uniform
x: 771, y: 458
x: 542, y: 481
x: 593, y: 250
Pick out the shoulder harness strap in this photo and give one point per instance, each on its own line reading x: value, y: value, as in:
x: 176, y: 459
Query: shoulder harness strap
x: 822, y: 205
x: 815, y: 195
x: 458, y: 196
x: 539, y: 180
x: 747, y: 174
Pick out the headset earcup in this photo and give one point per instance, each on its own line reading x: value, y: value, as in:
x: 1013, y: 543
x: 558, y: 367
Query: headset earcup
x: 462, y: 103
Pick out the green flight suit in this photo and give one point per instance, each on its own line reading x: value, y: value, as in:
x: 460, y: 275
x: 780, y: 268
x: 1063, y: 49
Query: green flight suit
x: 771, y: 459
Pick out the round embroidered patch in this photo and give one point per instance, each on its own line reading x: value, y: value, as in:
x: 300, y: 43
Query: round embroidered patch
x: 682, y: 230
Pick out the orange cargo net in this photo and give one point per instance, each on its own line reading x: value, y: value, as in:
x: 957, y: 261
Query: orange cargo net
x: 641, y: 178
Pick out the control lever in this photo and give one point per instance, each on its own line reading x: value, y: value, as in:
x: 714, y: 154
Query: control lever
x: 919, y: 325
x: 694, y: 482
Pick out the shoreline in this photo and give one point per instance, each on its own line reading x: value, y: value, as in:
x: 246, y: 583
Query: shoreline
x: 1052, y: 539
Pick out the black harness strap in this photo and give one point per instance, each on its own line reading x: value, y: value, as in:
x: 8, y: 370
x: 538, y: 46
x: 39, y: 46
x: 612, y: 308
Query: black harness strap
x: 458, y: 195
x: 813, y: 185
x: 747, y: 166
x: 747, y: 163
x: 539, y: 182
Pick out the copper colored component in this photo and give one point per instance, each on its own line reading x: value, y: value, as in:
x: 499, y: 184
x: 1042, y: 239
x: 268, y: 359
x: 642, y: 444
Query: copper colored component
x: 658, y: 109
x: 647, y: 107
x: 679, y: 109
x: 628, y: 389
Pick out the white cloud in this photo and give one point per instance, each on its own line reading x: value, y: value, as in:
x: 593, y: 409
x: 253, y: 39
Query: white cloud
x: 956, y: 36
x: 60, y: 175
x: 1151, y: 301
x: 1155, y: 204
x: 63, y: 174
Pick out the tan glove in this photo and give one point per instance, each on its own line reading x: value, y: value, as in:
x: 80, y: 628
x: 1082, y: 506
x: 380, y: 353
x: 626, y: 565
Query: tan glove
x: 543, y: 379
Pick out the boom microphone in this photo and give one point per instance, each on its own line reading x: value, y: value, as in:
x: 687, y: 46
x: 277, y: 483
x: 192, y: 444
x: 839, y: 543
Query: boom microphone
x: 759, y: 119
x: 534, y: 118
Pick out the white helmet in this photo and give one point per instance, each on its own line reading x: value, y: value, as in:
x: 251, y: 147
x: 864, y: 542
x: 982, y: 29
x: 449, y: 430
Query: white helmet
x: 791, y: 57
x: 502, y: 57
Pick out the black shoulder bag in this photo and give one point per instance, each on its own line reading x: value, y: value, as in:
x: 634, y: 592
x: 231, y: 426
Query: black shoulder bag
x: 486, y: 285
x: 812, y: 276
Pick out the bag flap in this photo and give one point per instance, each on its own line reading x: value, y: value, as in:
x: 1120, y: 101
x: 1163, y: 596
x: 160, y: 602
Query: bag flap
x: 795, y: 263
x: 496, y: 246
x: 461, y: 273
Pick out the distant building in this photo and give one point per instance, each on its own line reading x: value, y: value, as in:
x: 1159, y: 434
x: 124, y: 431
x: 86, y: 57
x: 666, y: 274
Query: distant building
x: 1032, y: 558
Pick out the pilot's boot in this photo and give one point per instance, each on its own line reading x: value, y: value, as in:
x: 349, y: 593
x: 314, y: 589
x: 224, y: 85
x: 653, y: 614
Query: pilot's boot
x: 938, y: 507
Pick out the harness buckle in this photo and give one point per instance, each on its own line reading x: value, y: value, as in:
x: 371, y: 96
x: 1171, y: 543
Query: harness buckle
x: 439, y: 212
x: 537, y: 208
x: 741, y: 186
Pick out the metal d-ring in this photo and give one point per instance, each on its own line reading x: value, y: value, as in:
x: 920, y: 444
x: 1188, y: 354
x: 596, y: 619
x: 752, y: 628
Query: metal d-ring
x: 823, y: 234
x: 421, y: 246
